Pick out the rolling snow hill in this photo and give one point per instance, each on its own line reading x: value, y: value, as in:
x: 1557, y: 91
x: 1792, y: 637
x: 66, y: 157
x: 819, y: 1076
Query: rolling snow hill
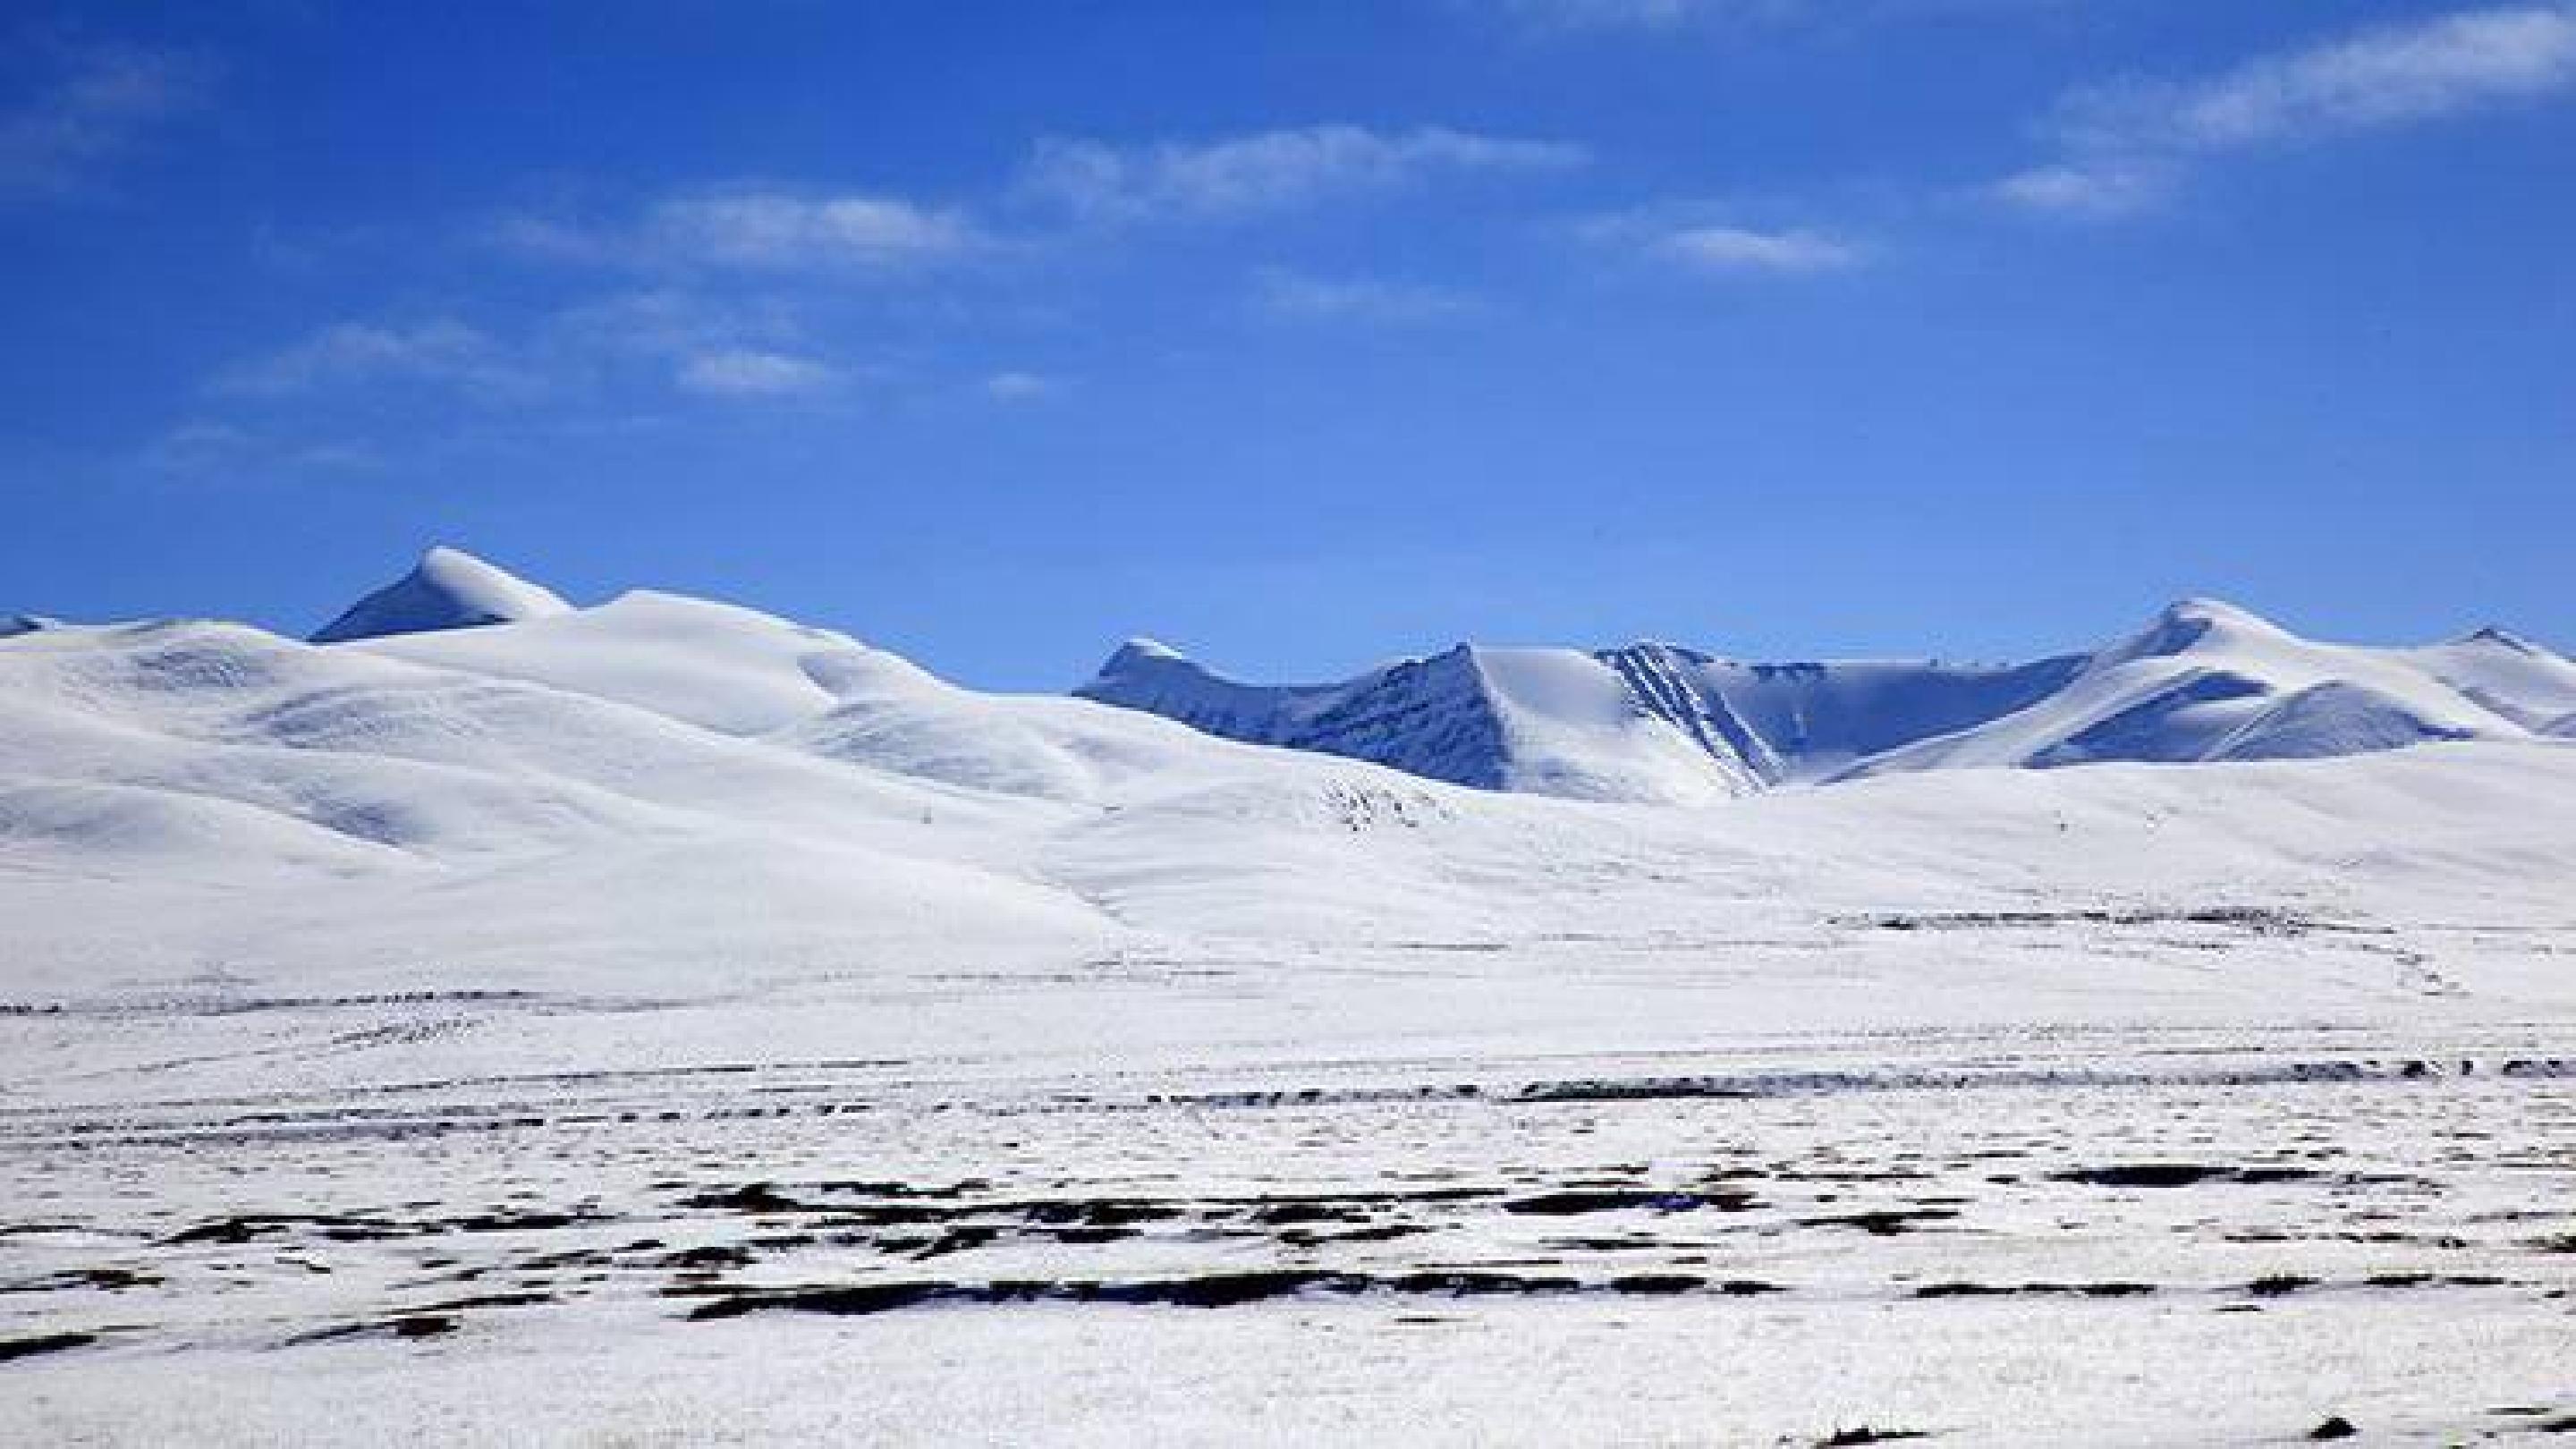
x: 1655, y: 723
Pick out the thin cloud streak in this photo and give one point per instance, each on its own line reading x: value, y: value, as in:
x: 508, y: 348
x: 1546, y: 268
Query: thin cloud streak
x: 1701, y: 236
x: 1741, y: 249
x: 64, y: 140
x: 441, y: 352
x: 1553, y: 18
x: 1295, y: 296
x: 743, y: 372
x: 2125, y: 146
x: 1019, y: 387
x: 760, y: 231
x: 1267, y: 171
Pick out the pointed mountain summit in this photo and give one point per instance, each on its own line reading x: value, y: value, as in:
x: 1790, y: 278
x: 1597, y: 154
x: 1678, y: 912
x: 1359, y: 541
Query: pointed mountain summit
x: 1142, y: 653
x: 2189, y: 625
x: 2496, y: 636
x: 448, y: 589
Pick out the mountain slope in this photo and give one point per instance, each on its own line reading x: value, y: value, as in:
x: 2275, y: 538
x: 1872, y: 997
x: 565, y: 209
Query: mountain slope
x: 447, y: 589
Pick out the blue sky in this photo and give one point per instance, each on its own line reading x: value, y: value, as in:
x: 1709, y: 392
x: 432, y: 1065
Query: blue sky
x: 1303, y: 334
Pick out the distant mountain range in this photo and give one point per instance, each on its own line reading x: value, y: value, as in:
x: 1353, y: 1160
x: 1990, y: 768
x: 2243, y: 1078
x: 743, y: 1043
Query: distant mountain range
x: 1649, y: 723
x: 481, y: 786
x: 2203, y: 681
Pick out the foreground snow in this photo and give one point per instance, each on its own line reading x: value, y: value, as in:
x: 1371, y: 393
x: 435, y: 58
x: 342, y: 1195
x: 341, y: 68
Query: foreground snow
x: 2108, y: 1237
x: 620, y: 1022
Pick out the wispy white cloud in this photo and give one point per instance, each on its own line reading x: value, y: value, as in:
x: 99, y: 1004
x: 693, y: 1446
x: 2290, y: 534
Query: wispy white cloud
x: 666, y: 322
x: 772, y: 230
x: 1297, y: 296
x: 775, y: 231
x: 1584, y: 15
x: 441, y: 352
x: 743, y: 372
x: 1545, y: 18
x: 109, y: 98
x: 710, y: 346
x: 1700, y: 236
x: 1742, y: 249
x: 2099, y: 188
x: 211, y: 448
x: 1013, y: 387
x: 1267, y: 170
x: 2124, y: 146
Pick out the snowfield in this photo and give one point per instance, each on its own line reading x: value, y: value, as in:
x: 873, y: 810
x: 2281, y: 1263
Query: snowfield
x: 663, y: 1022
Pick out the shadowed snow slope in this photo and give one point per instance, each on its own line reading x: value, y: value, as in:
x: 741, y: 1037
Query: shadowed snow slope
x: 448, y: 589
x: 1657, y: 723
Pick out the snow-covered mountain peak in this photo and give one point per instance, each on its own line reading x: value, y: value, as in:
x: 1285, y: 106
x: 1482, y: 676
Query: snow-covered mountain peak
x: 2496, y: 636
x: 1141, y: 659
x: 448, y: 589
x: 1141, y: 650
x: 2193, y: 625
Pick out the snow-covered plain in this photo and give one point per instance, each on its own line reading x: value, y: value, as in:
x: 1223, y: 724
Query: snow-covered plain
x: 661, y: 1022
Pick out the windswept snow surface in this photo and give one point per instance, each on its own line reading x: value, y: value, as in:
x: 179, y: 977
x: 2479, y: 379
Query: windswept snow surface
x: 618, y: 1022
x: 1661, y: 724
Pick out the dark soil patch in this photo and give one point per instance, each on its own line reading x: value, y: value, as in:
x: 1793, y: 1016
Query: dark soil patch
x: 1603, y: 1200
x: 29, y: 1347
x: 2279, y: 1285
x: 1883, y: 1223
x: 1864, y: 1434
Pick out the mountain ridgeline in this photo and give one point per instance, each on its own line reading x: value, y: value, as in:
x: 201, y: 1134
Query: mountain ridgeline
x: 1649, y: 723
x: 2203, y: 681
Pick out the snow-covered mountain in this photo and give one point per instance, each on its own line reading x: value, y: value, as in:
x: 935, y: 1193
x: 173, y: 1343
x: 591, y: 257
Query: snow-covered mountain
x: 1545, y: 721
x: 1655, y: 722
x: 656, y: 783
x: 661, y: 828
x: 2206, y: 681
x: 447, y: 589
x: 655, y: 779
